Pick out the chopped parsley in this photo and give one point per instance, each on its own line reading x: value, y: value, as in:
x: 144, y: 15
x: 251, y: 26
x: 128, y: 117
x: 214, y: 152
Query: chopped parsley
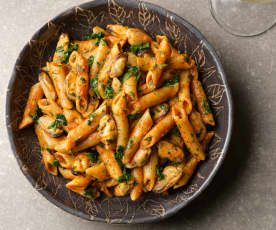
x: 93, y: 156
x: 148, y: 139
x: 73, y: 94
x: 91, y: 60
x: 206, y: 106
x: 159, y: 173
x: 119, y: 155
x: 60, y: 119
x: 163, y: 107
x: 89, y: 122
x: 131, y: 71
x: 129, y: 144
x: 125, y: 177
x: 108, y: 91
x: 55, y: 162
x: 172, y: 81
x: 94, y: 86
x: 160, y: 66
x: 36, y: 114
x: 92, y: 115
x: 65, y: 54
x: 97, y: 36
x: 88, y: 192
x: 82, y: 79
x: 133, y: 117
x: 137, y: 48
x: 174, y: 163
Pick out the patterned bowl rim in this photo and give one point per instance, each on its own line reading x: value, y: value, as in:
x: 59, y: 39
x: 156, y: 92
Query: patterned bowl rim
x: 197, y: 33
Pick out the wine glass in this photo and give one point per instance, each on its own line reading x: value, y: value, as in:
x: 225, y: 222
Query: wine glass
x: 244, y: 17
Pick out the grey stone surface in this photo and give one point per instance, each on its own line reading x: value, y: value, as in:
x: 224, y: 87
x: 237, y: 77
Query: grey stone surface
x: 242, y: 195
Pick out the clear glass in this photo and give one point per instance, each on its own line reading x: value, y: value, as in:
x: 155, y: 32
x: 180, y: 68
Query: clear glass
x: 244, y: 17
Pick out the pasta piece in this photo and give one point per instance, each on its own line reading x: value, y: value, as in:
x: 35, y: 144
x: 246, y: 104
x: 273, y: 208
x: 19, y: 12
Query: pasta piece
x: 187, y: 132
x: 99, y: 58
x: 81, y: 132
x: 133, y: 35
x: 122, y: 189
x: 48, y: 160
x: 45, y: 140
x: 188, y: 171
x: 65, y: 160
x: 98, y: 171
x: 140, y: 158
x: 47, y: 86
x: 108, y: 157
x: 149, y: 172
x: 175, y: 137
x: 62, y: 46
x: 143, y: 61
x: 81, y: 163
x: 202, y: 103
x: 142, y: 127
x: 198, y: 125
x: 111, y: 182
x: 184, y: 91
x: 180, y: 61
x: 79, y: 184
x: 159, y: 111
x: 171, y: 175
x: 80, y: 66
x: 169, y: 151
x: 92, y: 106
x: 120, y: 116
x: 45, y: 123
x: 162, y: 54
x: 70, y: 85
x: 158, y: 131
x: 85, y: 47
x: 105, y: 71
x: 92, y: 140
x: 117, y: 68
x: 129, y: 87
x: 66, y: 173
x: 49, y: 107
x: 107, y: 129
x: 30, y: 112
x: 73, y: 119
x: 137, y: 190
x: 154, y: 98
x: 57, y: 74
x: 116, y: 85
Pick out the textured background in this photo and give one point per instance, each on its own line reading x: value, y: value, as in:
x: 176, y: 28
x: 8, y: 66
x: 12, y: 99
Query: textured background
x: 242, y: 195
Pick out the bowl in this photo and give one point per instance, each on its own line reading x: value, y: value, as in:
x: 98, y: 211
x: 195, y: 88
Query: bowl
x: 78, y: 22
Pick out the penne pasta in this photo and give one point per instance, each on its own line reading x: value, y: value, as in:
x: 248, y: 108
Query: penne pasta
x: 149, y: 172
x: 137, y: 189
x: 31, y: 109
x: 198, y: 125
x: 47, y: 86
x: 184, y: 91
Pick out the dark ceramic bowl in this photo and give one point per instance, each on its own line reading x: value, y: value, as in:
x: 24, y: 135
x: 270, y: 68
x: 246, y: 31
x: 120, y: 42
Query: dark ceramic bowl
x: 78, y: 22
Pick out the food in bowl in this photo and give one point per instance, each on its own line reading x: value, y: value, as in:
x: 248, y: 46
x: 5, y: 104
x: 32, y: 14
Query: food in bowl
x: 120, y: 113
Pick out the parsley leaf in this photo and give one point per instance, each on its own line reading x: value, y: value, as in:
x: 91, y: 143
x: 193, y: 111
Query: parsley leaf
x: 131, y: 71
x: 206, y: 106
x: 94, y: 86
x: 172, y: 81
x: 67, y: 53
x: 91, y: 60
x: 97, y: 36
x: 133, y: 117
x: 125, y: 177
x: 137, y: 48
x: 109, y: 90
x: 130, y: 142
x: 36, y: 114
x: 119, y: 155
x: 159, y: 173
x: 175, y: 132
x: 93, y: 156
x: 60, y: 119
x: 55, y: 162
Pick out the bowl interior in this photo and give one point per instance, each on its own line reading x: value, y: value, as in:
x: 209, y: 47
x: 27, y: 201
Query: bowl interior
x: 78, y: 22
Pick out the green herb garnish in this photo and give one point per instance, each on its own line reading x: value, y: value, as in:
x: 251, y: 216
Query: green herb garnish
x: 206, y: 106
x: 131, y: 71
x: 137, y: 48
x: 172, y: 81
x: 133, y: 117
x: 108, y: 91
x: 97, y: 36
x: 82, y: 79
x: 55, y: 162
x: 175, y: 132
x: 159, y: 173
x: 119, y: 155
x: 94, y: 86
x: 125, y: 177
x: 36, y: 114
x: 130, y: 142
x: 66, y: 53
x: 91, y: 60
x: 93, y: 156
x: 60, y: 119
